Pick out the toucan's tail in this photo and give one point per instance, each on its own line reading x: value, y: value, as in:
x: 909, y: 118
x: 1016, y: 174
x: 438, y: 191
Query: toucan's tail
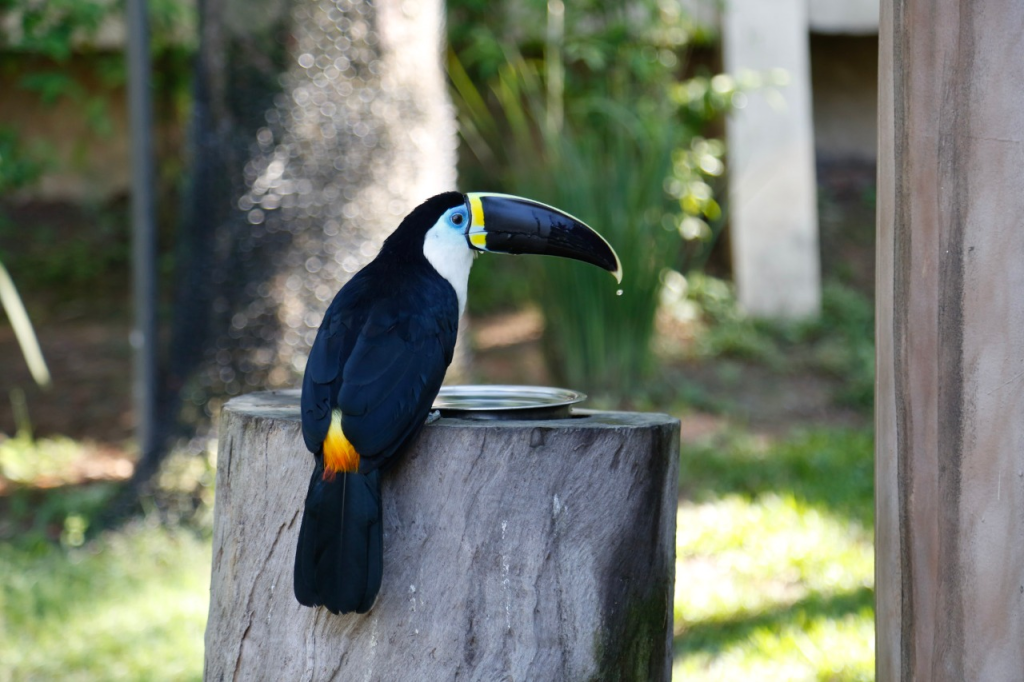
x: 339, y: 560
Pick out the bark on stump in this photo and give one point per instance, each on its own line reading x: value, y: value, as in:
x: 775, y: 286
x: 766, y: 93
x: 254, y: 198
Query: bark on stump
x: 514, y: 550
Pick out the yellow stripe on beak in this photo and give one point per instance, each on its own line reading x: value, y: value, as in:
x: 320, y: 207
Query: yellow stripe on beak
x: 479, y: 240
x: 478, y: 211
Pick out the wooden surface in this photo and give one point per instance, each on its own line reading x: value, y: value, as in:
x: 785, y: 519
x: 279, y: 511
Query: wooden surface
x: 950, y: 385
x: 528, y: 550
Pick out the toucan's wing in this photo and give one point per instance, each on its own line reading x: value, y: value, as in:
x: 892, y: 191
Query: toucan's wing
x: 333, y: 345
x: 395, y: 370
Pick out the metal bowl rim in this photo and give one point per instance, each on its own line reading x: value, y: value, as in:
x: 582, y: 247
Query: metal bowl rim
x: 541, y: 397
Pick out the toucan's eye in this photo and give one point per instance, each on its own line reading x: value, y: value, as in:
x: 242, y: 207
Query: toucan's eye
x: 457, y: 219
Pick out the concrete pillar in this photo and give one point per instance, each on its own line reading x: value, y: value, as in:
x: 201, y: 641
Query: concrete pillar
x: 772, y: 195
x: 950, y: 339
x: 857, y: 17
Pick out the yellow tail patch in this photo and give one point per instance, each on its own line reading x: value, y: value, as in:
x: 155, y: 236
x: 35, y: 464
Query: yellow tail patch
x: 339, y: 455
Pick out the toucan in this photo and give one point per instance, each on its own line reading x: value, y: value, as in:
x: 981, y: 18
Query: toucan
x: 377, y: 364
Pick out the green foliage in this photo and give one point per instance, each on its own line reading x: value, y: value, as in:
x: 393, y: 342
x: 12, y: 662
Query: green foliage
x: 24, y: 460
x: 825, y: 468
x: 728, y: 331
x: 21, y: 163
x: 498, y: 285
x: 39, y: 46
x: 44, y: 499
x: 55, y: 255
x: 478, y: 30
x: 844, y: 344
x: 590, y: 121
x: 126, y: 605
x: 130, y: 606
x: 839, y: 342
x: 49, y: 50
x: 183, y: 489
x: 41, y: 504
x: 36, y: 518
x: 58, y: 28
x: 52, y: 28
x: 775, y: 565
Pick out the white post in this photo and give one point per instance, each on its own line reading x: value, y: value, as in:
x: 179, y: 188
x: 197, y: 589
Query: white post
x: 772, y: 196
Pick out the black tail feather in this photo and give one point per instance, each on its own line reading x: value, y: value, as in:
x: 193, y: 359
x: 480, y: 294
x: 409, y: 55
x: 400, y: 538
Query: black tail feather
x: 305, y: 564
x: 339, y: 560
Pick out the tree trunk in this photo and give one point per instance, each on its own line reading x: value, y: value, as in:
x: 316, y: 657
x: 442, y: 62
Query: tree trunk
x: 520, y: 550
x: 950, y: 385
x: 318, y: 124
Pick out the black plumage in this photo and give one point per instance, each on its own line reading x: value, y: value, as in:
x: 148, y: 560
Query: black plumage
x: 379, y: 357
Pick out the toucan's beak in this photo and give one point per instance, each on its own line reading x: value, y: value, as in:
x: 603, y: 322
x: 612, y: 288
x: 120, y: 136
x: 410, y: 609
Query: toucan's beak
x: 509, y: 224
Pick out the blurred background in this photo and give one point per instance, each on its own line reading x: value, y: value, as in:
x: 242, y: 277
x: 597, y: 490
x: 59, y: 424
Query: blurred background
x: 726, y: 150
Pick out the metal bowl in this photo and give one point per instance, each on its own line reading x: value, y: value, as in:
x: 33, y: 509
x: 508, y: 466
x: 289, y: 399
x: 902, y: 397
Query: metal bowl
x: 506, y: 402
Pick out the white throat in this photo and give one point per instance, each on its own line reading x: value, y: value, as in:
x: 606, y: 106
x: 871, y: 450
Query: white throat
x: 447, y: 251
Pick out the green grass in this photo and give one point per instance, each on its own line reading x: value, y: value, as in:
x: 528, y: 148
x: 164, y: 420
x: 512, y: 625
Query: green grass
x: 130, y: 605
x: 24, y: 459
x: 774, y: 572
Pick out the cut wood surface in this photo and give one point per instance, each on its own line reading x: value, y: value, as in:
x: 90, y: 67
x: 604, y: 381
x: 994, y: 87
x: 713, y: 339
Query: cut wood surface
x: 514, y: 550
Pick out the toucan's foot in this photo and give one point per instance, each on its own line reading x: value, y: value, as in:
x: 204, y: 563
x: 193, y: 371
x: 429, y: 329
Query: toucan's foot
x: 433, y: 416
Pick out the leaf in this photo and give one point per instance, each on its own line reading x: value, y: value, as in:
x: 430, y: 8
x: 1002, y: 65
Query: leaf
x: 23, y: 330
x: 51, y: 85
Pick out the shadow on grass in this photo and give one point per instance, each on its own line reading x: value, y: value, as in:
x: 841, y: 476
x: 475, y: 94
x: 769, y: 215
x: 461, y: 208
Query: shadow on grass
x: 713, y: 635
x: 827, y: 468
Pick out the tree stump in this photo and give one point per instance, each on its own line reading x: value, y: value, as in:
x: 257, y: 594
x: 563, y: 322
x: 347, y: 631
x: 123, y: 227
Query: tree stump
x: 513, y: 550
